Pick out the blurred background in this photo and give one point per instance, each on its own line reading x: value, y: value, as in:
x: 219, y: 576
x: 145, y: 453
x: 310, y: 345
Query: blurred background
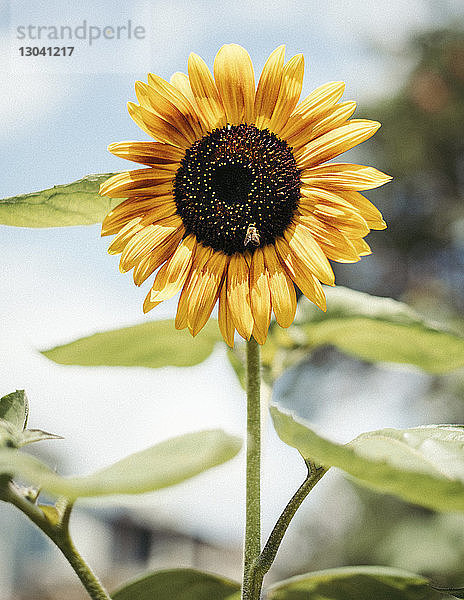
x: 404, y: 64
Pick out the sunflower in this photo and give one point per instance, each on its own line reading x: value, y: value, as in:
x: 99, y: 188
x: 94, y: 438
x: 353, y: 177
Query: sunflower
x: 235, y: 204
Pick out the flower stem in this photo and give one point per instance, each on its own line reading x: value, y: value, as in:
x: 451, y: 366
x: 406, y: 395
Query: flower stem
x: 264, y: 562
x: 58, y: 532
x: 253, y: 467
x: 88, y: 578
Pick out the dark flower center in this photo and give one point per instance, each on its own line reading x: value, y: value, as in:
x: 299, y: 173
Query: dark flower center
x: 237, y: 188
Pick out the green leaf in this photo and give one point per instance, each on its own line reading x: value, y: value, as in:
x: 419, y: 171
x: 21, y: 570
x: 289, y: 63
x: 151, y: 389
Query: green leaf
x: 76, y: 203
x: 9, y: 435
x: 14, y: 408
x: 152, y: 344
x: 423, y: 465
x: 14, y: 411
x: 160, y: 466
x: 179, y: 584
x: 30, y: 436
x: 354, y: 583
x: 238, y: 364
x: 455, y: 592
x: 378, y: 329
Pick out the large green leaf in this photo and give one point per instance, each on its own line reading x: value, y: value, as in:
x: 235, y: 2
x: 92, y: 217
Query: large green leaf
x: 179, y: 584
x: 423, y: 465
x: 354, y: 583
x: 14, y: 408
x: 365, y: 326
x: 76, y: 203
x: 152, y: 344
x: 378, y: 329
x: 160, y: 466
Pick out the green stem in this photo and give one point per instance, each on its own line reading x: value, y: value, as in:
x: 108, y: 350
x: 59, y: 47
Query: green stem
x: 88, y: 578
x: 267, y: 556
x: 58, y: 532
x: 253, y: 467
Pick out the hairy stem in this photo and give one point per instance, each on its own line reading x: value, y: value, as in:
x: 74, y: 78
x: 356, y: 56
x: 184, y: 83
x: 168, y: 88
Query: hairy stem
x: 88, y: 578
x: 264, y: 562
x: 253, y: 468
x: 58, y: 532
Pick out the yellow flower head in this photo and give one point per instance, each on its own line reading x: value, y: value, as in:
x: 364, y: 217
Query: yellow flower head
x: 235, y: 204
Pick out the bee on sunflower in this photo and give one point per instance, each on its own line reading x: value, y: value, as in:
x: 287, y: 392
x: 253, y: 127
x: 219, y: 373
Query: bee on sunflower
x: 236, y: 204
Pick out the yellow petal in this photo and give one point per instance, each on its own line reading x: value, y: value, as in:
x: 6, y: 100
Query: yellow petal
x: 157, y: 102
x: 362, y: 247
x: 334, y: 210
x: 172, y: 94
x: 181, y: 315
x: 268, y: 88
x: 157, y: 256
x: 233, y: 72
x: 332, y: 241
x: 226, y: 324
x: 206, y: 93
x: 238, y: 295
x: 303, y: 244
x: 344, y: 176
x: 151, y: 210
x: 148, y: 153
x: 320, y: 100
x: 181, y: 82
x: 157, y: 127
x: 132, y: 208
x: 159, y: 212
x: 283, y: 295
x: 259, y: 336
x: 203, y: 291
x: 173, y: 99
x: 147, y: 240
x: 201, y: 256
x: 336, y: 141
x: 312, y: 108
x: 260, y: 296
x: 368, y: 211
x: 332, y: 119
x: 125, y: 235
x: 303, y: 277
x: 138, y: 180
x: 171, y: 277
x: 289, y: 93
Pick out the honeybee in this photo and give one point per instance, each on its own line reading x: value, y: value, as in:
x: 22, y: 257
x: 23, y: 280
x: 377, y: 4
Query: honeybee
x: 252, y: 236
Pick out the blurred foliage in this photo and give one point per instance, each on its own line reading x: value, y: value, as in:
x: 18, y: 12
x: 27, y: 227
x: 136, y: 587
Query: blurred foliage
x: 186, y: 584
x: 421, y: 144
x: 162, y: 465
x: 152, y: 344
x: 423, y: 126
x: 353, y: 323
x: 393, y: 532
x: 354, y: 583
